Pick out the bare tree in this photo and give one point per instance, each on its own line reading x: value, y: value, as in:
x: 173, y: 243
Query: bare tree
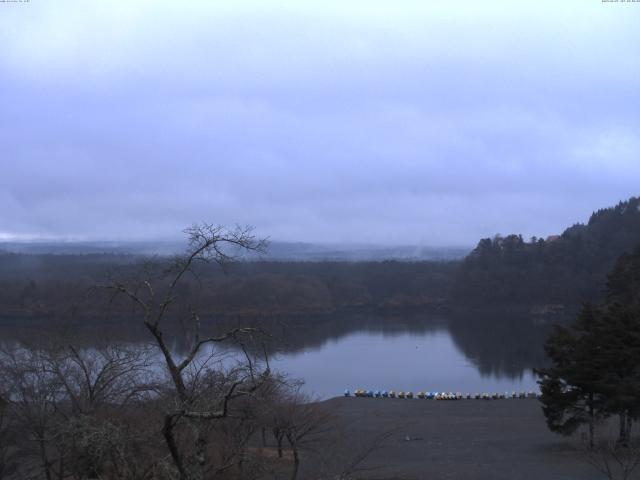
x: 68, y: 407
x: 615, y: 460
x: 304, y: 429
x: 119, y: 444
x: 33, y: 396
x: 184, y: 408
x: 8, y: 460
x: 303, y: 423
x: 102, y: 386
x: 199, y: 394
x: 112, y: 374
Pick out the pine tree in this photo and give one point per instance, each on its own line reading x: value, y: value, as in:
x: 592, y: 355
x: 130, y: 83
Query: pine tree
x: 571, y: 387
x: 622, y: 337
x: 595, y: 369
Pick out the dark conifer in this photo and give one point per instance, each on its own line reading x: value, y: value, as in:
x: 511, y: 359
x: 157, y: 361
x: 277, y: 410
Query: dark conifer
x: 595, y: 364
x: 571, y: 386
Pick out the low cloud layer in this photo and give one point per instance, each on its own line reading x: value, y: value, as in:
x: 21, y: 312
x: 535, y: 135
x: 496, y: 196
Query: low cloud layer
x: 374, y: 122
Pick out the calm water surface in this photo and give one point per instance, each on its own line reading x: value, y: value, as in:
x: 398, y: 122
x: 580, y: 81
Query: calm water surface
x: 429, y: 361
x: 473, y: 353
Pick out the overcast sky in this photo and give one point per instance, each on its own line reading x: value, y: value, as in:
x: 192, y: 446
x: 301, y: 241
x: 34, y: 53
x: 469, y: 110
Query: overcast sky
x: 414, y: 122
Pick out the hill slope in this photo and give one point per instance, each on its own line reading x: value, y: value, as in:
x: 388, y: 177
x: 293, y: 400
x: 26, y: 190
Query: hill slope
x: 569, y: 269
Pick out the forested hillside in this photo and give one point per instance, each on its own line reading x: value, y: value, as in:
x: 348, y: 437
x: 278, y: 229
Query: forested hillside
x: 37, y: 285
x: 500, y: 271
x: 568, y: 269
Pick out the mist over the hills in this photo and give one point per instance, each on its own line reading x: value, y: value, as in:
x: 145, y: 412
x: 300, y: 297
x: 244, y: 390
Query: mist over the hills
x: 278, y: 251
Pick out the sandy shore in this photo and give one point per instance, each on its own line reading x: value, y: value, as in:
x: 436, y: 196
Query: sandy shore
x: 465, y: 439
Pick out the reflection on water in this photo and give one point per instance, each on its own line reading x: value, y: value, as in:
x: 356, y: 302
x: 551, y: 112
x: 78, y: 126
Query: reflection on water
x: 403, y: 361
x: 505, y: 344
x: 467, y: 352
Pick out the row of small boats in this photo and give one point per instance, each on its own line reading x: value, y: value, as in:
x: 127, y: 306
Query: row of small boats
x: 439, y: 395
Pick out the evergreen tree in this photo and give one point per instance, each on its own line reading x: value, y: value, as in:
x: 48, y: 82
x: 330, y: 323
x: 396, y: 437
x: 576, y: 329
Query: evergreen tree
x: 564, y: 270
x: 571, y: 387
x: 622, y: 337
x: 595, y: 368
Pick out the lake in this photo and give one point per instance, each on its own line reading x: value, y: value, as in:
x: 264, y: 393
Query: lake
x: 490, y: 352
x: 413, y: 354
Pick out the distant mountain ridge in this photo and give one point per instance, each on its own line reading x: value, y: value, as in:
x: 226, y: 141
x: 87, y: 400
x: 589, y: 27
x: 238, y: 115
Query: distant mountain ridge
x: 570, y: 269
x: 277, y: 251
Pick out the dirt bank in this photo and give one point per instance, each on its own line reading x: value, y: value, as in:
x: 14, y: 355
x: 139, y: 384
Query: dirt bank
x: 466, y: 439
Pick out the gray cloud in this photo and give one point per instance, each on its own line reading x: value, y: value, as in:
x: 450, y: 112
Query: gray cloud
x: 339, y: 121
